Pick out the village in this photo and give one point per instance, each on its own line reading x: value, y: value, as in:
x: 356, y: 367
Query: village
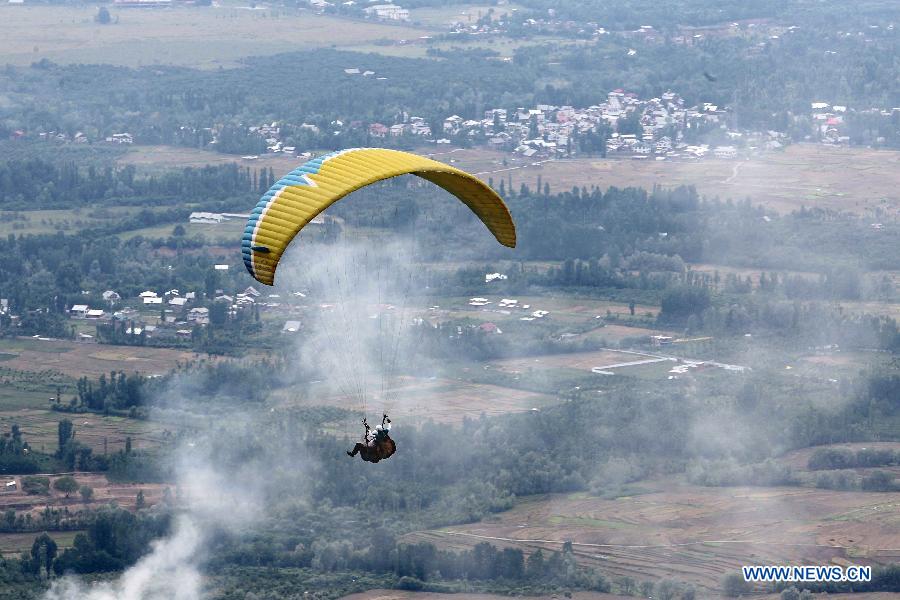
x: 622, y: 126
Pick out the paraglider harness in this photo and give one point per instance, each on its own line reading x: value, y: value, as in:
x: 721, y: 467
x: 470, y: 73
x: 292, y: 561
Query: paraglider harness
x: 376, y: 446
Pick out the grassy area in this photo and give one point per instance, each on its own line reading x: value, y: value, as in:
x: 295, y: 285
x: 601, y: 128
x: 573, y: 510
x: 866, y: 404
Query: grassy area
x: 228, y: 232
x: 206, y: 37
x: 690, y: 533
x: 73, y: 359
x: 13, y: 544
x: 855, y: 180
x: 68, y: 221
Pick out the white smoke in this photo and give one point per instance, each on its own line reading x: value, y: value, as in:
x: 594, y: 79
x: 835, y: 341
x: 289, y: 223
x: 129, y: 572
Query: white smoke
x: 354, y: 342
x: 168, y: 572
x: 214, y: 500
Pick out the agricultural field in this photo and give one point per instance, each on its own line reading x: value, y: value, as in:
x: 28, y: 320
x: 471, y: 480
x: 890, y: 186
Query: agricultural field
x: 227, y: 233
x: 14, y: 544
x: 696, y: 534
x: 856, y: 180
x: 562, y: 310
x: 157, y: 159
x: 105, y: 491
x: 68, y: 221
x: 414, y: 400
x: 101, y: 433
x: 76, y: 359
x: 205, y: 37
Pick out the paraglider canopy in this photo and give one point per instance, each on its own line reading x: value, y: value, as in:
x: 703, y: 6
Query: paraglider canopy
x: 314, y: 186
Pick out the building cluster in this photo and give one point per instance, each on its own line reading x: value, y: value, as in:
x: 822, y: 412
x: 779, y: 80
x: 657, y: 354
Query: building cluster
x: 634, y: 127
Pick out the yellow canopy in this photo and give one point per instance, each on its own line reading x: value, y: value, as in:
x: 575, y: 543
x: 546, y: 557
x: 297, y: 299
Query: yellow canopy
x: 308, y: 190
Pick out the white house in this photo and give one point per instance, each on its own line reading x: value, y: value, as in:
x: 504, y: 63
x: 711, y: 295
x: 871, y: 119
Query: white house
x: 206, y: 218
x: 388, y: 12
x: 79, y: 310
x: 291, y: 327
x: 199, y: 315
x: 725, y: 152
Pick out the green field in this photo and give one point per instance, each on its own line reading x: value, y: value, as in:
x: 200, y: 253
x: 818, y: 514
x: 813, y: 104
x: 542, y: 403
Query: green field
x: 13, y: 544
x: 65, y: 220
x: 206, y: 37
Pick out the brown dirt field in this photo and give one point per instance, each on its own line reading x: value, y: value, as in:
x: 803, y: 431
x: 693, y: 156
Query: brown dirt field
x: 850, y: 179
x: 78, y: 359
x: 696, y: 534
x: 39, y: 428
x: 416, y: 400
x: 207, y: 37
x: 124, y: 494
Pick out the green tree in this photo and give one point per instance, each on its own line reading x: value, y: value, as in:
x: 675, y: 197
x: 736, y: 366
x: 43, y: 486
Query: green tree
x: 43, y: 553
x: 87, y: 493
x: 65, y: 432
x: 103, y: 16
x: 139, y: 501
x: 66, y: 484
x: 733, y: 585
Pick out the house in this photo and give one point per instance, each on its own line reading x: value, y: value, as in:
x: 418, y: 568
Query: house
x: 79, y: 310
x: 291, y: 327
x: 206, y: 218
x: 85, y: 338
x: 251, y: 291
x: 388, y: 12
x: 661, y: 340
x: 641, y: 148
x: 120, y: 138
x: 10, y: 486
x: 378, y: 130
x: 452, y: 124
x: 147, y: 294
x: 199, y: 315
x: 725, y: 152
x: 95, y: 313
x: 177, y: 301
x: 489, y: 328
x: 111, y: 296
x: 664, y: 145
x: 151, y: 300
